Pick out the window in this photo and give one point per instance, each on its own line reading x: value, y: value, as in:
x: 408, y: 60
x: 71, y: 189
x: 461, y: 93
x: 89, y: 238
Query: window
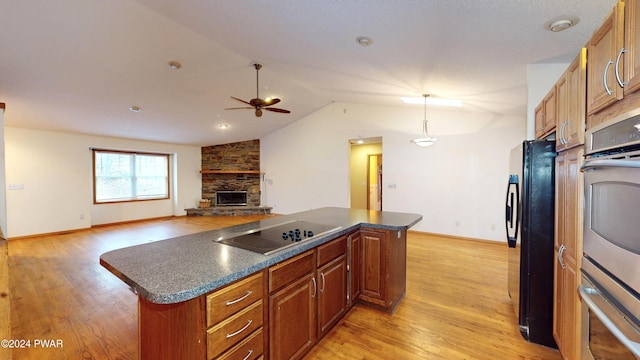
x: 129, y: 176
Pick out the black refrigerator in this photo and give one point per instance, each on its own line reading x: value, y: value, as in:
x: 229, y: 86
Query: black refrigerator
x: 529, y: 220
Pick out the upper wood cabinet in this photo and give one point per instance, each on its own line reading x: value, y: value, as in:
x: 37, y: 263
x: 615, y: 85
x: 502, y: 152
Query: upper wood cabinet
x: 631, y: 46
x: 546, y: 115
x: 608, y: 55
x: 570, y: 94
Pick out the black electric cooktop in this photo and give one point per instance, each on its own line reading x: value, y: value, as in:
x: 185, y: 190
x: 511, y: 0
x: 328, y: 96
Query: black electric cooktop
x: 270, y: 239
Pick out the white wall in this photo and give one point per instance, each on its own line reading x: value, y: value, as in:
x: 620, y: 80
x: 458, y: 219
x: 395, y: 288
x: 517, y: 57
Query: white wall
x: 462, y: 178
x: 56, y: 171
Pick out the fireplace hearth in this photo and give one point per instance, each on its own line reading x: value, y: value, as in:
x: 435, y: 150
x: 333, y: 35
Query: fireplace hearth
x: 231, y: 198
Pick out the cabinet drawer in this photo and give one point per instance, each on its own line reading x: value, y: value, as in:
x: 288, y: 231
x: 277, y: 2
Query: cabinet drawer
x: 248, y: 349
x: 290, y: 270
x: 230, y: 331
x: 233, y: 298
x: 332, y: 250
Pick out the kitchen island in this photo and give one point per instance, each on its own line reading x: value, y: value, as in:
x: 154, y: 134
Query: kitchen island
x: 202, y: 299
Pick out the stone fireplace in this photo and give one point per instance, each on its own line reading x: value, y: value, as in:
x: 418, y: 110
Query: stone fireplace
x: 231, y: 179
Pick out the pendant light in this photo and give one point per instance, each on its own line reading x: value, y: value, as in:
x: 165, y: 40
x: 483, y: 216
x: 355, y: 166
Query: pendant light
x: 425, y: 140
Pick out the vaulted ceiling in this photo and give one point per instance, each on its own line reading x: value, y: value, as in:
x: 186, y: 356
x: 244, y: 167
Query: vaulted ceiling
x: 79, y: 65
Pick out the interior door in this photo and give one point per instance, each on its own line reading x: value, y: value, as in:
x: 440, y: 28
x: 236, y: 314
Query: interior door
x: 374, y: 179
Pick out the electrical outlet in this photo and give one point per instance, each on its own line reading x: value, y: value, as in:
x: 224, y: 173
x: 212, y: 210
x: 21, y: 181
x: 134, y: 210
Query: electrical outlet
x: 16, y: 186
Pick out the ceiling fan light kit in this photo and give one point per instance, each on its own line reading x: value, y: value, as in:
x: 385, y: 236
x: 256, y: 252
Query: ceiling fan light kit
x: 258, y: 104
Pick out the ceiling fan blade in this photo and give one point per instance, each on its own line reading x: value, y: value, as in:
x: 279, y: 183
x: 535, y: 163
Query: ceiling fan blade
x: 271, y: 102
x: 238, y: 108
x: 278, y: 110
x: 242, y: 101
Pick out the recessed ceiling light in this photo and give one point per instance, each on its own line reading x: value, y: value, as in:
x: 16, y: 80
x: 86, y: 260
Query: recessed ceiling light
x: 561, y: 23
x: 174, y: 65
x: 135, y: 109
x: 223, y: 126
x: 432, y: 101
x: 364, y: 40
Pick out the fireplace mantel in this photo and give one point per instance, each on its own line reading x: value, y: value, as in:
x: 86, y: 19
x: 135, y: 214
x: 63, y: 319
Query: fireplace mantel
x: 230, y: 171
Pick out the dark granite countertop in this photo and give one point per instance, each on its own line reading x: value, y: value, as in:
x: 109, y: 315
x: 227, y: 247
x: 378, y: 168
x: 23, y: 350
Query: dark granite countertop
x: 182, y: 268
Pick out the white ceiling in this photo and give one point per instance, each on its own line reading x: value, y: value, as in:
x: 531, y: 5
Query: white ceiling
x: 78, y: 65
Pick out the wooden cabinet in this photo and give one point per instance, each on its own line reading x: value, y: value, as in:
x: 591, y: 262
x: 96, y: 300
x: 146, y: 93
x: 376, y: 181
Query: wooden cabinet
x: 604, y: 83
x: 545, y: 115
x: 332, y: 283
x: 373, y: 284
x: 624, y: 22
x: 631, y: 46
x: 280, y: 312
x: 292, y: 307
x: 172, y: 331
x: 571, y: 107
x: 354, y: 267
x: 235, y: 317
x: 383, y: 277
x: 568, y: 252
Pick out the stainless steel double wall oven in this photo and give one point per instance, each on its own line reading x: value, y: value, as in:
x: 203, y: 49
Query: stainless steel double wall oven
x: 611, y: 265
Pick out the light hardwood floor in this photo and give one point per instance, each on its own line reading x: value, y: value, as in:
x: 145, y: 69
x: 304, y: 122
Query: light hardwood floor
x: 456, y: 305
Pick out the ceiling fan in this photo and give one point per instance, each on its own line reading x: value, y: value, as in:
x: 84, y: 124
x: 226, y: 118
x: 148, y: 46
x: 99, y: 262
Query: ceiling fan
x: 257, y: 103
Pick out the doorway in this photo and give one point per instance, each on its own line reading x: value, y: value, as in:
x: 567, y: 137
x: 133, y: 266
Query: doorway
x: 365, y: 172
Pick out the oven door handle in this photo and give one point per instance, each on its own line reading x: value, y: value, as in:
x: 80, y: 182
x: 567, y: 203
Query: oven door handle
x: 595, y: 164
x: 587, y: 294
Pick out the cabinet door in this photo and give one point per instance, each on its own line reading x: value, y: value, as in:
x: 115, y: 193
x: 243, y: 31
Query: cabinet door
x: 550, y: 111
x: 355, y: 267
x: 576, y: 75
x: 539, y: 114
x: 602, y: 87
x: 562, y: 110
x: 571, y: 92
x: 572, y: 223
x: 373, y: 283
x: 568, y: 250
x: 332, y: 293
x: 632, y: 46
x: 292, y: 319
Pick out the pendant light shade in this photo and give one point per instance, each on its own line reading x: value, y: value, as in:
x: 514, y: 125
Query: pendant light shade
x: 425, y: 140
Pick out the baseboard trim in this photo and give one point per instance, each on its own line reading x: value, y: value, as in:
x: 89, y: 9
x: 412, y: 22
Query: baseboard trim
x: 455, y: 237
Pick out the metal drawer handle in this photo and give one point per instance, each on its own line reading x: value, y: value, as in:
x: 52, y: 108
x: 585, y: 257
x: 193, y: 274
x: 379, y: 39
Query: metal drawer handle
x: 249, y: 292
x: 248, y: 355
x: 604, y: 78
x: 563, y: 140
x: 323, y: 282
x: 315, y: 287
x: 622, y: 84
x: 560, y: 253
x: 241, y: 330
